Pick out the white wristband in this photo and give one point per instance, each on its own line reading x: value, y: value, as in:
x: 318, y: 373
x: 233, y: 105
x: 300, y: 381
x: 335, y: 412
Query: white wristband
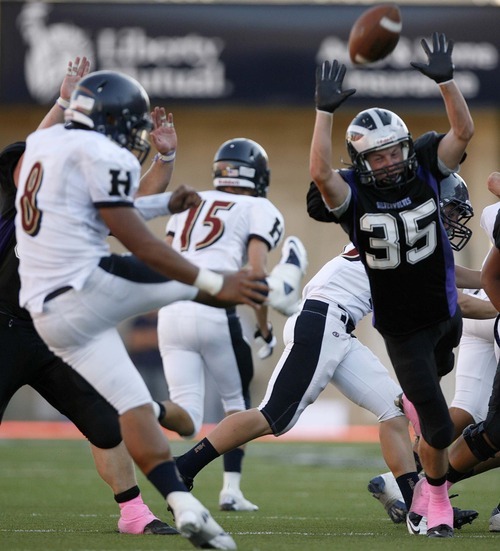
x: 209, y: 281
x: 445, y: 82
x: 168, y: 158
x: 63, y: 103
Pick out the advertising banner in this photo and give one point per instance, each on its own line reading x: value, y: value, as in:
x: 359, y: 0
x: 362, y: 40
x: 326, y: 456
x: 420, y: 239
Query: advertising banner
x: 238, y: 53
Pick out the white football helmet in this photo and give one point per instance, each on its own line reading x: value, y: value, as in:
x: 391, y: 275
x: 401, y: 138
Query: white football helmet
x: 375, y: 129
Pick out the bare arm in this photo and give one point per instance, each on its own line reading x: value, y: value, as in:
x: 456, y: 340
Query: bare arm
x: 452, y: 147
x: 329, y: 96
x: 128, y: 227
x: 257, y: 259
x: 490, y: 276
x: 164, y: 137
x: 465, y: 278
x: 476, y: 308
x: 76, y: 70
x: 440, y: 69
x: 331, y: 185
x: 493, y: 183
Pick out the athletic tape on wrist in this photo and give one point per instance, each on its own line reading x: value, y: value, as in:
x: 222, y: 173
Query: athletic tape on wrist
x: 209, y: 281
x: 168, y: 158
x: 63, y: 103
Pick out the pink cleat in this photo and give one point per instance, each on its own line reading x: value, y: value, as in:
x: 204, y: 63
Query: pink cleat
x: 439, y: 513
x: 136, y: 518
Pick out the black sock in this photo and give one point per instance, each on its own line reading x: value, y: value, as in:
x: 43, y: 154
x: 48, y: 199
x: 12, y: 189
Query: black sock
x: 166, y: 479
x: 407, y: 483
x: 233, y: 460
x: 436, y: 481
x: 127, y: 495
x: 198, y: 457
x: 454, y: 476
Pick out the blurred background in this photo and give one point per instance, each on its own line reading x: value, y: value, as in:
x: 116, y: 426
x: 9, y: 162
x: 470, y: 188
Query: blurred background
x: 246, y: 69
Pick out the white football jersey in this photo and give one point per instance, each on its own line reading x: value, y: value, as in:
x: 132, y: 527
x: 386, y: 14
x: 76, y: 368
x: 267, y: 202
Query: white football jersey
x: 60, y: 234
x: 343, y: 281
x: 488, y: 217
x: 215, y: 235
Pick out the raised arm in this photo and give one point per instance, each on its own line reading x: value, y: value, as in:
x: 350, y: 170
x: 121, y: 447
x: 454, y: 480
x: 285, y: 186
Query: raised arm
x: 440, y: 68
x: 493, y: 183
x: 76, y: 70
x: 329, y: 96
x: 164, y: 137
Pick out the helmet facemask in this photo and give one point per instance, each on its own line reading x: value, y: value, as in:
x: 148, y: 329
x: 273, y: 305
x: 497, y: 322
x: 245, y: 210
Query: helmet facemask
x: 376, y: 130
x: 456, y: 211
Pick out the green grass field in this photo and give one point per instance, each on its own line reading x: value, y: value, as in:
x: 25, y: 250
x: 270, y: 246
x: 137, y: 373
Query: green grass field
x: 312, y: 496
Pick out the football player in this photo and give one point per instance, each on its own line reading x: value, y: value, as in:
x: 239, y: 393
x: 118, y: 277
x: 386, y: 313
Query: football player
x: 77, y: 185
x: 388, y: 203
x: 233, y: 226
x: 26, y: 360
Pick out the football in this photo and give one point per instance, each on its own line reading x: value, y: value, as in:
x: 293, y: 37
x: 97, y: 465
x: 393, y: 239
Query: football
x: 375, y: 34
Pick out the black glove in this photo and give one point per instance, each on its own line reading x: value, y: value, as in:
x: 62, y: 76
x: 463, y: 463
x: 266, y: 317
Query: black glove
x: 329, y: 94
x: 440, y: 67
x: 266, y: 344
x: 316, y: 207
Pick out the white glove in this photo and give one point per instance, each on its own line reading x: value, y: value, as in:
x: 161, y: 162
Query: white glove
x: 266, y: 344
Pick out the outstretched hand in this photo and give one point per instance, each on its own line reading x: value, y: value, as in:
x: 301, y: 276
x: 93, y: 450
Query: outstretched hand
x: 440, y: 65
x: 163, y: 136
x: 329, y: 79
x: 183, y: 198
x: 244, y: 287
x: 76, y: 70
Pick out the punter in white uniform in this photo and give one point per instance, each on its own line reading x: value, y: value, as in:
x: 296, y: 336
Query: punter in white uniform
x: 233, y: 226
x: 77, y: 185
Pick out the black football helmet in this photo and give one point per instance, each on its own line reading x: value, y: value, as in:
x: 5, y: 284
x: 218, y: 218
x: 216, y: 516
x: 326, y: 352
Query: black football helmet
x: 375, y: 129
x: 456, y: 210
x: 241, y: 162
x: 115, y: 105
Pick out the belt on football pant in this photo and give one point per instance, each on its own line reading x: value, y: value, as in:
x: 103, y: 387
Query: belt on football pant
x: 57, y: 292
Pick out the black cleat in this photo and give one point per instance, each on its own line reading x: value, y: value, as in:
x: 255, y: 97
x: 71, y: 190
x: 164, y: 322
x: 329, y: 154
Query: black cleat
x: 158, y: 528
x: 440, y: 531
x: 463, y: 516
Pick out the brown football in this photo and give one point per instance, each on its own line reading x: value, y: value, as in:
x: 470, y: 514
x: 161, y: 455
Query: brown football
x: 375, y: 34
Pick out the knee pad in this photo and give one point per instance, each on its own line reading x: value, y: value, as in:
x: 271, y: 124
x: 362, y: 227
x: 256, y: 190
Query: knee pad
x: 474, y: 438
x: 104, y: 436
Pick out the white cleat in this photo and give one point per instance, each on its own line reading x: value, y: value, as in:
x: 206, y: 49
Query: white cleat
x: 294, y: 252
x: 416, y: 524
x: 494, y: 524
x: 233, y: 500
x: 195, y: 523
x: 285, y: 280
x: 385, y: 488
